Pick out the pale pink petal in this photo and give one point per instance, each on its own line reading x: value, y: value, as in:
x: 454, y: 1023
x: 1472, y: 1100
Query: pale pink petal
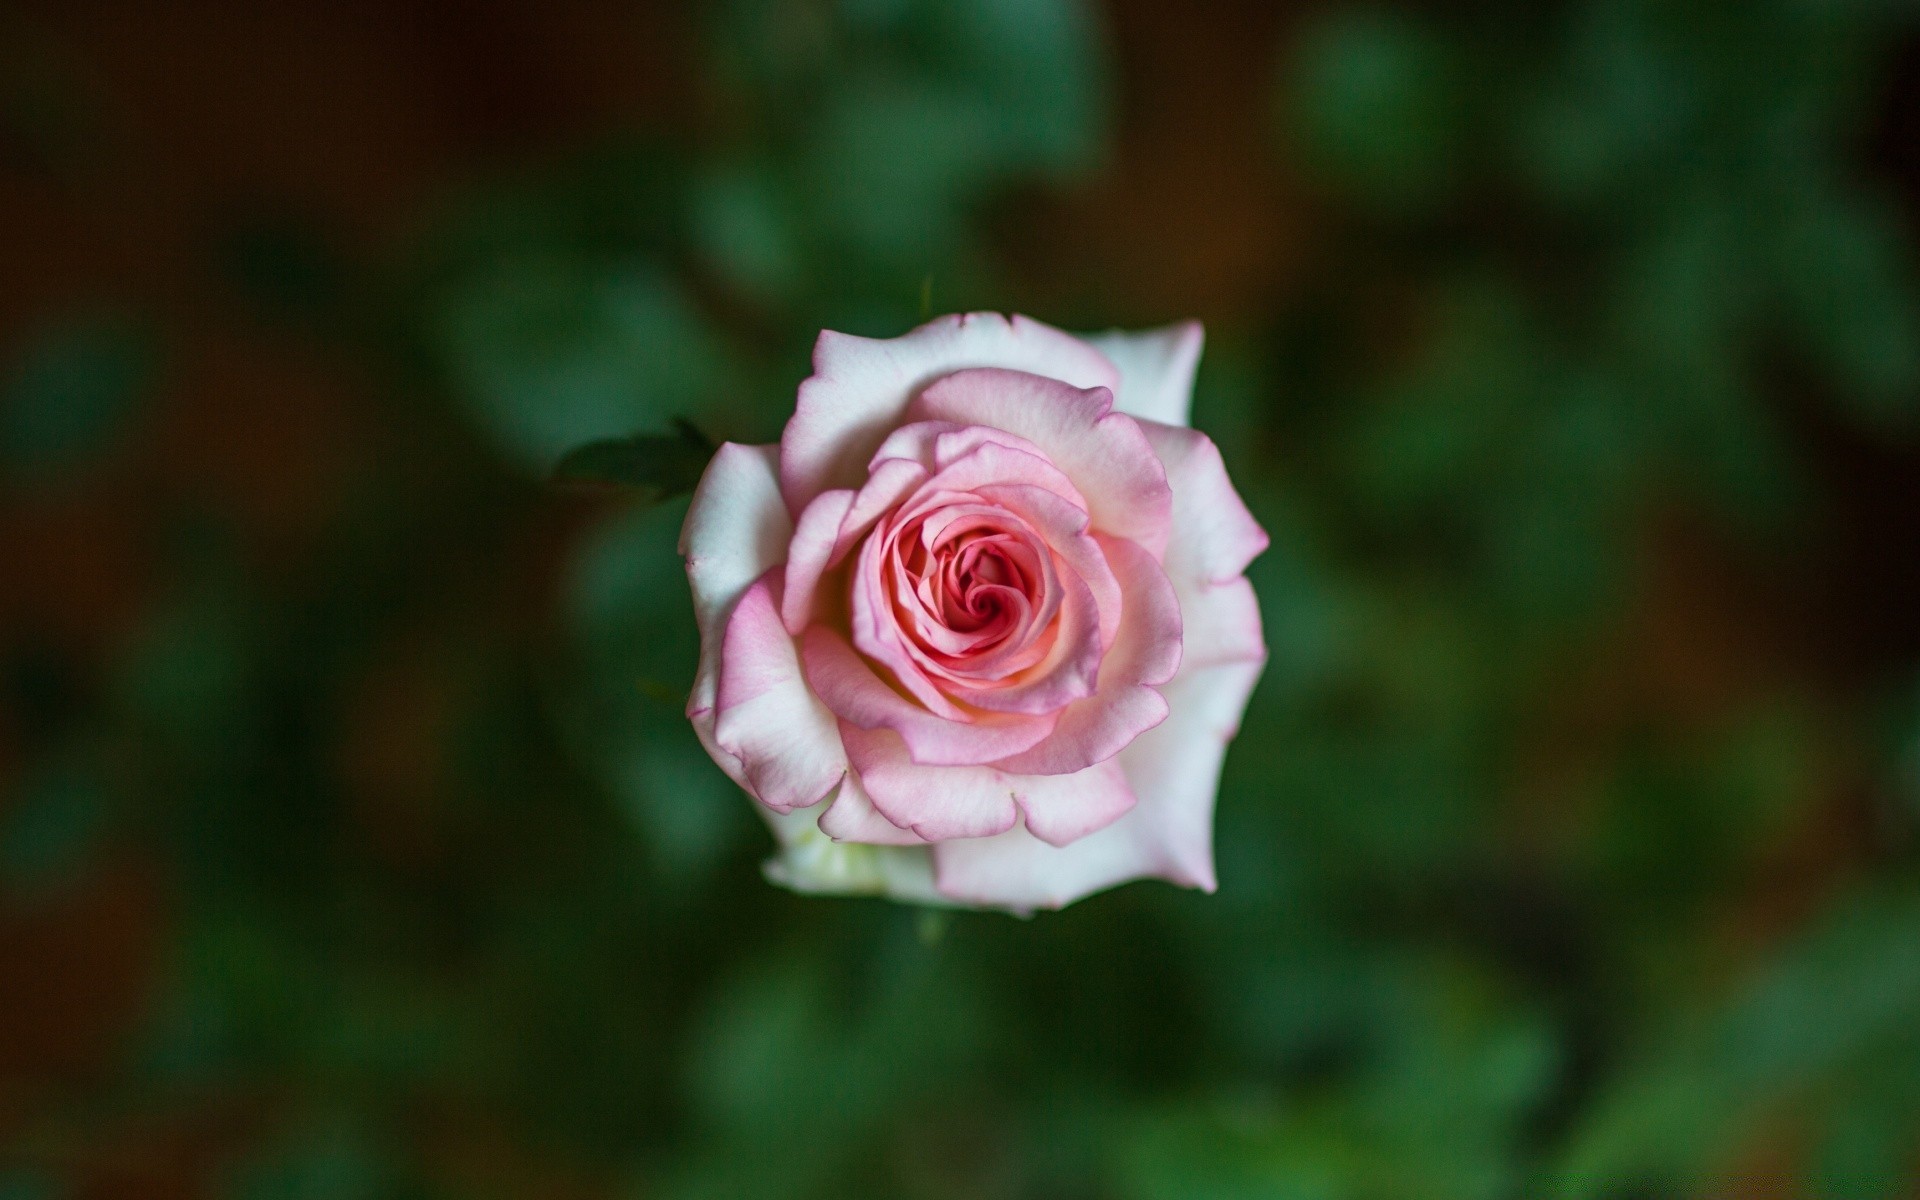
x: 811, y: 862
x: 937, y: 444
x: 1103, y: 452
x: 876, y: 630
x: 786, y: 741
x: 1174, y: 770
x: 1175, y: 767
x: 1215, y: 536
x: 848, y: 686
x: 934, y: 802
x: 809, y: 555
x: 939, y: 803
x: 1222, y: 621
x: 969, y: 462
x: 736, y: 528
x: 861, y: 387
x: 853, y: 818
x: 1071, y: 672
x: 1088, y: 596
x: 1085, y: 594
x: 1062, y: 809
x: 1065, y: 529
x: 1156, y: 370
x: 1018, y: 872
x: 1146, y: 654
x: 892, y: 481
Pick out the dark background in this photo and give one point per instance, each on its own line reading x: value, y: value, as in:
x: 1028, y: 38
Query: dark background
x: 352, y: 842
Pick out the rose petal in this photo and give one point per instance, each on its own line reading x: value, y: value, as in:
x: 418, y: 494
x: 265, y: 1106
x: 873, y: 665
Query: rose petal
x: 809, y: 554
x: 853, y: 818
x: 934, y: 802
x: 736, y: 528
x: 1217, y: 536
x: 970, y: 461
x: 891, y: 482
x: 1019, y: 872
x: 1062, y: 809
x: 1156, y: 370
x: 848, y: 686
x: 812, y: 863
x: 937, y: 445
x: 1065, y: 529
x: 1176, y: 766
x: 861, y: 387
x: 876, y: 630
x: 1222, y: 621
x: 1103, y: 452
x: 1174, y: 770
x: 765, y: 716
x: 940, y: 803
x: 1146, y: 654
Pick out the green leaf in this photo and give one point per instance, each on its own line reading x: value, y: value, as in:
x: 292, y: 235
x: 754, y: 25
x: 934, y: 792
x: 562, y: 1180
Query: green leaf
x: 1843, y: 270
x: 24, y: 1184
x: 548, y: 351
x: 659, y: 465
x: 1374, y: 102
x: 1837, y: 1006
x: 321, y: 1163
x: 72, y: 386
x: 54, y: 818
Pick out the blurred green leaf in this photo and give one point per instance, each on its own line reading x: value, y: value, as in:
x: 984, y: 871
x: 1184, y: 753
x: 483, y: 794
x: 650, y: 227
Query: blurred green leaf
x: 549, y: 353
x: 19, y: 1183
x: 681, y: 806
x: 70, y: 390
x: 627, y: 583
x: 1848, y: 281
x: 189, y: 672
x: 54, y: 818
x: 318, y: 1163
x: 1375, y: 100
x: 660, y: 466
x: 1831, y: 1006
x: 743, y: 222
x: 1619, y: 99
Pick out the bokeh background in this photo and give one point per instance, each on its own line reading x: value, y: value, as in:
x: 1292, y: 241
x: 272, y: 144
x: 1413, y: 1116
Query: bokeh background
x: 352, y: 842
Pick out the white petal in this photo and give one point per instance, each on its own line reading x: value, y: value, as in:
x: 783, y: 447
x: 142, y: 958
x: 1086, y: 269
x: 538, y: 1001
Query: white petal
x: 766, y: 717
x: 861, y: 387
x: 812, y: 863
x: 853, y: 818
x: 1175, y: 766
x: 1174, y: 769
x: 1214, y: 536
x: 736, y: 529
x: 1156, y: 370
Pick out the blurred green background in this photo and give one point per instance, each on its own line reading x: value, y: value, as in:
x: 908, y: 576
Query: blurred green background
x: 352, y: 842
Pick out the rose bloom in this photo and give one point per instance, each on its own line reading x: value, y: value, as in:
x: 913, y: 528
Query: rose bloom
x: 976, y: 632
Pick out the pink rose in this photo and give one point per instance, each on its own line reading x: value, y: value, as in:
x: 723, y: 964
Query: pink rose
x: 976, y: 631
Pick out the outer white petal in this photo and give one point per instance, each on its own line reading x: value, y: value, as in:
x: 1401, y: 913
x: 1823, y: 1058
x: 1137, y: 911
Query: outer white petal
x: 766, y: 717
x: 811, y: 862
x: 1177, y: 763
x: 852, y: 817
x: 861, y: 387
x: 1214, y: 538
x: 736, y: 529
x: 1156, y: 370
x: 1175, y: 772
x: 1174, y: 767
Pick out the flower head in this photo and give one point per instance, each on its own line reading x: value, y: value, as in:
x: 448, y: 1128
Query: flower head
x: 976, y: 631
